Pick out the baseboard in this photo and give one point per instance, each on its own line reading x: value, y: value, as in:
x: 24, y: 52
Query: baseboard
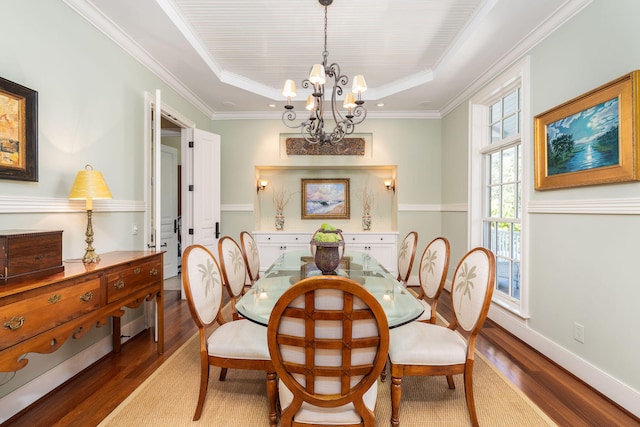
x: 609, y: 386
x: 37, y: 388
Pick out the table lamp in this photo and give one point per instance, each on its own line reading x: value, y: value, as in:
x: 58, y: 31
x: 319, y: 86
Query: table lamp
x: 89, y: 185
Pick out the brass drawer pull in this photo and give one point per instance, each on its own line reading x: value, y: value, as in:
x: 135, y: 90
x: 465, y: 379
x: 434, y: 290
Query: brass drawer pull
x: 137, y: 270
x: 153, y: 272
x: 119, y: 284
x: 15, y: 323
x: 86, y: 297
x: 54, y: 298
x: 39, y: 257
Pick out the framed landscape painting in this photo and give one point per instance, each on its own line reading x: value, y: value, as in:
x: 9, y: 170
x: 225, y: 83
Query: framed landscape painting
x: 590, y: 139
x: 18, y: 132
x: 325, y: 198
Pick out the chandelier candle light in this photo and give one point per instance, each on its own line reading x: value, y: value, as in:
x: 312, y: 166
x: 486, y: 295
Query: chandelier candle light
x: 312, y: 129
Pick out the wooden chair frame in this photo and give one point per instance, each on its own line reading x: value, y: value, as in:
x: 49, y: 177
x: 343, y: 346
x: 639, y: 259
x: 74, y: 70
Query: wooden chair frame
x: 404, y: 279
x: 398, y: 371
x: 224, y: 363
x: 235, y: 286
x: 433, y: 299
x: 248, y: 243
x: 310, y: 314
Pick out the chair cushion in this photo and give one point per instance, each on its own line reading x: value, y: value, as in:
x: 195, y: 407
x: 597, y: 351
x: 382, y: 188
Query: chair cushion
x: 311, y: 414
x: 426, y: 314
x: 240, y: 339
x: 418, y: 343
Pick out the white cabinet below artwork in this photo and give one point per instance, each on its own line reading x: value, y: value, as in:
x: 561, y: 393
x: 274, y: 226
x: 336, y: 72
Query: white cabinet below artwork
x: 381, y: 246
x: 272, y: 244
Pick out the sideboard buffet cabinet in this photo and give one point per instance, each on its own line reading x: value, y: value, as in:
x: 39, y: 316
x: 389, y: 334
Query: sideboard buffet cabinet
x: 39, y: 315
x: 383, y: 246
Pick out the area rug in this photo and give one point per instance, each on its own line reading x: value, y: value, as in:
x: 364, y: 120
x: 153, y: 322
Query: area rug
x: 169, y: 396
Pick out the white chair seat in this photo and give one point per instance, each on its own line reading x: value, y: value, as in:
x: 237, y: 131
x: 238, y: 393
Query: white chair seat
x: 240, y: 339
x: 426, y: 314
x: 411, y: 345
x: 311, y: 414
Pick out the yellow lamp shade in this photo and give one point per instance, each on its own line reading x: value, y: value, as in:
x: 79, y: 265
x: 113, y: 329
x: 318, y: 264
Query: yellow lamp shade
x: 349, y: 101
x: 289, y: 89
x: 317, y: 75
x: 359, y: 85
x: 89, y: 185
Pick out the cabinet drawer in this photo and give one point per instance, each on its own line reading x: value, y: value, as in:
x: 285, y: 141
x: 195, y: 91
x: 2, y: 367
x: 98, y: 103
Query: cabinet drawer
x: 125, y: 280
x: 287, y: 238
x: 368, y: 238
x: 46, y: 308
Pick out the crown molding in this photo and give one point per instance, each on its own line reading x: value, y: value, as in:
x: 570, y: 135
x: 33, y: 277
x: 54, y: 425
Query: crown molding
x: 89, y: 12
x: 564, y: 13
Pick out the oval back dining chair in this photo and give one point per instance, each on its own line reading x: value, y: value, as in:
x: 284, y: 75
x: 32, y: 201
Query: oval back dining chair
x: 419, y: 348
x: 251, y: 255
x: 239, y: 344
x: 406, y: 256
x: 328, y: 339
x: 234, y: 270
x: 432, y: 273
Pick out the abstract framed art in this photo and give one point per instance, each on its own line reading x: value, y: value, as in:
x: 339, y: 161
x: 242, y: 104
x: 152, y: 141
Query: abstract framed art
x: 325, y: 198
x: 18, y: 132
x: 591, y: 139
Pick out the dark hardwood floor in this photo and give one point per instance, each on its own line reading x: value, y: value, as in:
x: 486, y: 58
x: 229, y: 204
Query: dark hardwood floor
x: 89, y: 397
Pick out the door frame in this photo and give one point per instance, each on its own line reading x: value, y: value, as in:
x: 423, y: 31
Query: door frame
x: 184, y: 123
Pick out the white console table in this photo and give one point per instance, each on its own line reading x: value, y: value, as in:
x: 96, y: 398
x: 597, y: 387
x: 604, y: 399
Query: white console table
x: 383, y: 246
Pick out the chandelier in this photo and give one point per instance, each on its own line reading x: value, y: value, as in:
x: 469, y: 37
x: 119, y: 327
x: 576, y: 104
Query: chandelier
x: 313, y: 129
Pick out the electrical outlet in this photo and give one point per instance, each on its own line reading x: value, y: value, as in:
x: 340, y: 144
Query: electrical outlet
x: 578, y: 332
x: 134, y: 229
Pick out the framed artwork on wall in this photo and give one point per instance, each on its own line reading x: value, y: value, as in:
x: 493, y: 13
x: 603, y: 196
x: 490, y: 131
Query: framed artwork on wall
x: 18, y: 132
x: 325, y: 198
x: 590, y: 139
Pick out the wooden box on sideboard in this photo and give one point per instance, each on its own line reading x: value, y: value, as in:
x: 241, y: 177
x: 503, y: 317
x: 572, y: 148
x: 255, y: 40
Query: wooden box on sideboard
x: 26, y: 254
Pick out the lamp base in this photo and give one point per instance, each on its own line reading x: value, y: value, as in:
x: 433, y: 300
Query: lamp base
x: 90, y: 255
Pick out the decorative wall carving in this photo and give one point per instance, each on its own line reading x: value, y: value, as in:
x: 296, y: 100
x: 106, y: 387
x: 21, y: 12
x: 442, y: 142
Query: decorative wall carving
x: 348, y: 147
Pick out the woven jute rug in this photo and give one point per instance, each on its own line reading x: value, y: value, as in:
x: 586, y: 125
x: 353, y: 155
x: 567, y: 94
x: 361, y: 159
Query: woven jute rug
x: 169, y: 396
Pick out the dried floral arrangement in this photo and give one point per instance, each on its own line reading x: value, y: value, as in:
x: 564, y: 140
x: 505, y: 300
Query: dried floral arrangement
x: 367, y: 199
x: 280, y: 199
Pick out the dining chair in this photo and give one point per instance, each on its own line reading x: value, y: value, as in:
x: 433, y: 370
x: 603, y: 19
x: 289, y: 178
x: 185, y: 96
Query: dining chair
x: 234, y: 270
x: 328, y: 338
x: 419, y: 348
x: 239, y: 344
x: 406, y: 256
x: 432, y: 275
x: 251, y: 256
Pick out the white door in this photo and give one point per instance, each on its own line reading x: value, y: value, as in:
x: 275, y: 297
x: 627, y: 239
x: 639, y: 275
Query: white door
x: 169, y: 209
x: 202, y: 151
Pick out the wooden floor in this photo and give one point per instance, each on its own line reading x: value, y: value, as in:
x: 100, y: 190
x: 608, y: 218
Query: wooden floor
x: 91, y: 395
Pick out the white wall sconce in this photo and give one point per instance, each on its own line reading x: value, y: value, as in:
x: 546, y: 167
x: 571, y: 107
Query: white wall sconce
x: 262, y: 184
x: 390, y: 184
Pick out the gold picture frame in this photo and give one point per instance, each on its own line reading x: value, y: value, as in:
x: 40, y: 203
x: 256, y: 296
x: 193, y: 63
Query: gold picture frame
x: 591, y: 139
x: 18, y: 132
x: 325, y: 198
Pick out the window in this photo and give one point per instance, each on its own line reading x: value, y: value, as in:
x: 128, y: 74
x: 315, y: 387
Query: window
x: 497, y: 156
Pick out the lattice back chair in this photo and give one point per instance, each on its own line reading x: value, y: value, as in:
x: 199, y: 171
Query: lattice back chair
x: 251, y: 256
x: 234, y: 270
x: 239, y: 344
x: 406, y: 256
x: 432, y: 273
x: 426, y: 349
x: 328, y: 339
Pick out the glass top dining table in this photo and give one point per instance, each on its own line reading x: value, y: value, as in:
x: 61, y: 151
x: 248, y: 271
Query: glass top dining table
x: 398, y: 303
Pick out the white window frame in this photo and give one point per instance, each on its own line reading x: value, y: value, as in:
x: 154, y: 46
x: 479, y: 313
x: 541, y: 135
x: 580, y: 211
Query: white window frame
x: 479, y: 141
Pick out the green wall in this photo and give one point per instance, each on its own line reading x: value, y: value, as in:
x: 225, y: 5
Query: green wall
x: 90, y: 110
x: 579, y: 262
